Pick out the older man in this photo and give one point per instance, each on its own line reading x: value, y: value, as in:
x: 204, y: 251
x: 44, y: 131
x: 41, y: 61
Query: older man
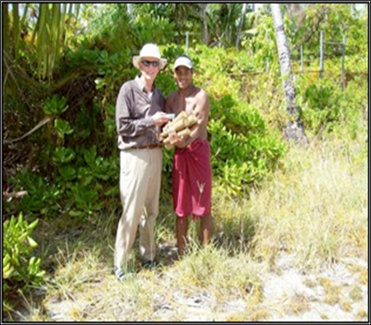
x: 139, y: 116
x: 192, y: 174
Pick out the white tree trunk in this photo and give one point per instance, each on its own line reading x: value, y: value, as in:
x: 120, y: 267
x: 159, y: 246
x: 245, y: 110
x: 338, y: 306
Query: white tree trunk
x: 130, y: 10
x: 205, y: 29
x: 240, y: 25
x: 294, y: 129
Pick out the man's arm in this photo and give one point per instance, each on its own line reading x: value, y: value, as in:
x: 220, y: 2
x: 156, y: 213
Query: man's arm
x: 168, y: 105
x: 202, y: 111
x: 126, y: 125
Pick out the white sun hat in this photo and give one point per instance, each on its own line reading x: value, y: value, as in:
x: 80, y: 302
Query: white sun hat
x: 183, y: 61
x: 149, y: 50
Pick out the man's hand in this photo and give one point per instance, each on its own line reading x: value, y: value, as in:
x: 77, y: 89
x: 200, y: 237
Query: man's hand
x: 166, y: 127
x: 173, y: 137
x: 160, y: 118
x: 176, y: 140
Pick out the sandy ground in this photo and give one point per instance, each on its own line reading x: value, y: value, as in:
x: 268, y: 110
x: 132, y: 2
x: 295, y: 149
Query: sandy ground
x: 333, y: 294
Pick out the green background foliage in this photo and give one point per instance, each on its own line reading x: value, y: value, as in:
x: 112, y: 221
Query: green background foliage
x: 67, y: 63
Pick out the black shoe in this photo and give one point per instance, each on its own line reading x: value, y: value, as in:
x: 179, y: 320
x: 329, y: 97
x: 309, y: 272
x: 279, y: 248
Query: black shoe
x: 149, y: 264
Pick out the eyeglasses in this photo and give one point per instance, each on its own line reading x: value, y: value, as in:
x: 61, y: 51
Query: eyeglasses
x: 148, y: 63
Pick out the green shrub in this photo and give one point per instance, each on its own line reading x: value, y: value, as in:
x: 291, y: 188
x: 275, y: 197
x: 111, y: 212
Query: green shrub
x: 326, y: 107
x: 77, y: 170
x: 20, y: 269
x: 244, y: 150
x: 82, y: 182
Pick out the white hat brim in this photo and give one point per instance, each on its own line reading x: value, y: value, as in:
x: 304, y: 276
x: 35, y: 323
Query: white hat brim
x: 183, y: 61
x: 136, y: 60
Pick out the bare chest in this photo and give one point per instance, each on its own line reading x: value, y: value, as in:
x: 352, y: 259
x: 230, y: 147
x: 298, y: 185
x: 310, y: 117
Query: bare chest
x: 186, y: 104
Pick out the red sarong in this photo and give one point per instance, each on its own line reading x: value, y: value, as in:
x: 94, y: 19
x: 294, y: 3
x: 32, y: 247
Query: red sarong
x: 192, y: 178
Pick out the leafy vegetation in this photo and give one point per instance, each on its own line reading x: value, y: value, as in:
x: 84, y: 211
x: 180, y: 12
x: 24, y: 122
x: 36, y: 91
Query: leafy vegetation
x: 63, y: 67
x: 21, y: 269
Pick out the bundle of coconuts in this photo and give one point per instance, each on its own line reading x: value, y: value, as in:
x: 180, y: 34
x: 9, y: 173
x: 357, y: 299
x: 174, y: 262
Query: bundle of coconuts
x: 183, y: 125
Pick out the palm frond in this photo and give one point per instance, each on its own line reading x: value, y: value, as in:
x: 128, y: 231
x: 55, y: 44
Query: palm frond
x: 48, y: 34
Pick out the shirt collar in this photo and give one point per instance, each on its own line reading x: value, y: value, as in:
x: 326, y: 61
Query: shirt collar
x: 142, y: 85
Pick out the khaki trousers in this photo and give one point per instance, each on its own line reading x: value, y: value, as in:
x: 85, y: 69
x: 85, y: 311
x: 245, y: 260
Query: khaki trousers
x: 140, y: 182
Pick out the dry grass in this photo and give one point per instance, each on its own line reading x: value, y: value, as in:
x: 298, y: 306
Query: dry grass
x: 296, y: 304
x: 332, y: 292
x: 361, y: 315
x: 356, y: 293
x: 315, y: 209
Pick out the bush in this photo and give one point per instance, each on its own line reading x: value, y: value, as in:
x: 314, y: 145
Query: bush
x: 20, y: 269
x: 244, y: 150
x: 326, y: 107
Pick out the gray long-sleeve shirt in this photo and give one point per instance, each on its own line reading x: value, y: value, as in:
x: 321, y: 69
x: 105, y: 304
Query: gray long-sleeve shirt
x: 134, y: 110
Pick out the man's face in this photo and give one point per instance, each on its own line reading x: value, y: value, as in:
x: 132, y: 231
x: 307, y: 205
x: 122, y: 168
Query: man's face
x: 149, y: 68
x: 183, y: 77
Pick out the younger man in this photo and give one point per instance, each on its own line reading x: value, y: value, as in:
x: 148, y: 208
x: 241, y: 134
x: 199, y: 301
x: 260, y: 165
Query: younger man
x: 192, y: 174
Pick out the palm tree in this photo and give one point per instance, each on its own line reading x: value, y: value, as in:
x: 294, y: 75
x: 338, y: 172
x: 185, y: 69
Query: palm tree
x: 47, y: 26
x: 205, y: 33
x: 130, y: 10
x: 294, y: 129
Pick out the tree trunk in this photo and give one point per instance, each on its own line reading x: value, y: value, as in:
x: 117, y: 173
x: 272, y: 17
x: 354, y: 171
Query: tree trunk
x: 294, y: 130
x: 240, y: 25
x: 205, y: 33
x: 130, y: 10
